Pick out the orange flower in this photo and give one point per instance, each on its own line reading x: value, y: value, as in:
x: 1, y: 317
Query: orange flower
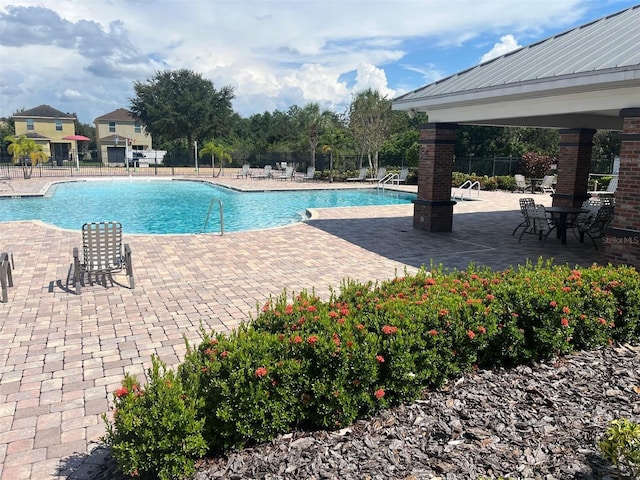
x: 312, y: 340
x: 380, y: 358
x: 379, y: 393
x: 389, y: 330
x: 564, y: 322
x: 360, y: 326
x: 443, y: 311
x: 553, y: 303
x: 333, y: 314
x: 297, y: 339
x: 471, y: 335
x: 121, y: 392
x: 481, y: 329
x: 602, y: 321
x: 288, y: 309
x: 490, y: 297
x: 433, y: 332
x: 566, y: 309
x: 261, y: 372
x: 312, y: 308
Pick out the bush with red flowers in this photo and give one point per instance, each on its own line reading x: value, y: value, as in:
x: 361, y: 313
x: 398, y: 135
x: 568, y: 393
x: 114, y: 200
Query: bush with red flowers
x: 308, y: 363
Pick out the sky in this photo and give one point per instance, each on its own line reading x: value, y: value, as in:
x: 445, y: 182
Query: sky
x: 84, y: 56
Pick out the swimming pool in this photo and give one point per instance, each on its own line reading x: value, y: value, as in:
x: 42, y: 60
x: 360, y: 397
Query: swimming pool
x: 171, y: 207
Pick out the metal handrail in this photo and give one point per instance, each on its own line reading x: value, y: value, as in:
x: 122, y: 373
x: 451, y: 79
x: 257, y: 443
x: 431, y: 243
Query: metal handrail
x: 206, y: 221
x: 467, y: 187
x: 389, y: 177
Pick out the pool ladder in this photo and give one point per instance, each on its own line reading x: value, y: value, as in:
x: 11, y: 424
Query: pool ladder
x: 206, y: 221
x: 466, y: 187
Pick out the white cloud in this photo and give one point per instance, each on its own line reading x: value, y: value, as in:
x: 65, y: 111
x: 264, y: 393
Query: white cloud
x: 507, y: 44
x: 275, y: 53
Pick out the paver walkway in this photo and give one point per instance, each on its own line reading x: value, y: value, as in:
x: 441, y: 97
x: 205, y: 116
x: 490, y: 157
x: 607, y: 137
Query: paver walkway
x: 62, y: 355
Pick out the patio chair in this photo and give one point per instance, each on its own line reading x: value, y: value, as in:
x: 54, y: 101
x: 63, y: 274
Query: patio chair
x: 361, y: 176
x: 537, y: 222
x: 546, y: 186
x: 524, y: 204
x: 402, y: 176
x: 6, y: 278
x: 610, y: 190
x: 595, y: 226
x: 245, y: 171
x: 288, y: 173
x: 266, y: 173
x: 521, y: 184
x: 311, y: 171
x: 103, y: 253
x: 382, y: 172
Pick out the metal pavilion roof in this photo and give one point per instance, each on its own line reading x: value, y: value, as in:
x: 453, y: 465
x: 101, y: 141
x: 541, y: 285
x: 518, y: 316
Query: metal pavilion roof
x: 602, y: 54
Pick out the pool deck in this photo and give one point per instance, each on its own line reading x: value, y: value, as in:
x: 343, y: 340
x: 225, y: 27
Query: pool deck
x: 62, y: 355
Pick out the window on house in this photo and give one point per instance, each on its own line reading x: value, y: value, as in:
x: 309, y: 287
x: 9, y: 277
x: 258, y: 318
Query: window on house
x: 30, y: 124
x: 58, y: 125
x: 112, y: 126
x: 138, y: 127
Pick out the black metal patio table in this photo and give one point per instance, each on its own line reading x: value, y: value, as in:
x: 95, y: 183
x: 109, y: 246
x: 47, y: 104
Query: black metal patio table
x: 561, y: 220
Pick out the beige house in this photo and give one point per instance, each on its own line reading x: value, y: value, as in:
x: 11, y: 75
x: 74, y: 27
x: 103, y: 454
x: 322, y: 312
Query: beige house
x: 47, y: 127
x: 119, y: 136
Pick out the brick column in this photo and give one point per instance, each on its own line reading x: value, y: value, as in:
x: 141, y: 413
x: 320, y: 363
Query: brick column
x: 574, y: 165
x: 622, y: 241
x: 433, y: 209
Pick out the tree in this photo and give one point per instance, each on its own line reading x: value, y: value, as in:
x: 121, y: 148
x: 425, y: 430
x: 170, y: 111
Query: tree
x: 210, y: 148
x: 370, y: 122
x: 312, y: 121
x: 182, y: 105
x: 26, y: 152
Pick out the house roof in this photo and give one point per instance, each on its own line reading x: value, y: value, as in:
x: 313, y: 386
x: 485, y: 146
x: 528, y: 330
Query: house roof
x: 121, y: 114
x: 579, y: 78
x: 43, y: 111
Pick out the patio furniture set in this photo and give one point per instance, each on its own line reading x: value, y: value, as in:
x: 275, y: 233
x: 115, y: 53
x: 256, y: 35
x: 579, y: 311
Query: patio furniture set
x: 591, y: 219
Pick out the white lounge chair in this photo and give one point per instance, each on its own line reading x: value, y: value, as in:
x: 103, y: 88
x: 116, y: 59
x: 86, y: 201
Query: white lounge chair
x: 610, y: 190
x: 546, y: 186
x: 382, y: 172
x: 521, y: 184
x: 244, y: 173
x: 266, y: 173
x: 402, y: 176
x: 288, y: 174
x: 361, y: 176
x: 311, y: 171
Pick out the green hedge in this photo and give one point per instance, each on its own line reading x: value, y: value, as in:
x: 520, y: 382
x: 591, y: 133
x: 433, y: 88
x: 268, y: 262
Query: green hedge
x: 308, y: 363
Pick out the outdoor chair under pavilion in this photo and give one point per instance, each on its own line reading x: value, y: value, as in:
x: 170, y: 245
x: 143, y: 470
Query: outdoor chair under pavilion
x: 524, y: 204
x: 595, y: 225
x: 537, y: 222
x: 362, y: 175
x: 103, y: 253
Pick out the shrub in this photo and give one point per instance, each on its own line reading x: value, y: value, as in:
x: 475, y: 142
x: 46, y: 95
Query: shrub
x: 535, y: 165
x: 506, y: 182
x: 155, y: 429
x: 308, y: 363
x: 621, y: 446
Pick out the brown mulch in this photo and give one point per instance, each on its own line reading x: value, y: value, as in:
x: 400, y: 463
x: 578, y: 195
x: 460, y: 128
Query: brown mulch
x: 535, y: 422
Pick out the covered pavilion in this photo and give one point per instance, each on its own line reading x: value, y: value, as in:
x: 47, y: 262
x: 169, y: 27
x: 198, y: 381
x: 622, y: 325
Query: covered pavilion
x: 579, y: 81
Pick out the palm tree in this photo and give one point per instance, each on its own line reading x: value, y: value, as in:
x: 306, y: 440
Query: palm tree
x: 312, y: 121
x: 223, y: 153
x: 24, y: 149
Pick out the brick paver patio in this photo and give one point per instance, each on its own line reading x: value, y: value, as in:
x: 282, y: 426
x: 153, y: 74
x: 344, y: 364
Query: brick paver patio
x: 62, y: 355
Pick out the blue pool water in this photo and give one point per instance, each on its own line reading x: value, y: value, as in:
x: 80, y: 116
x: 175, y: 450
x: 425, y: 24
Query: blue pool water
x: 165, y: 207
